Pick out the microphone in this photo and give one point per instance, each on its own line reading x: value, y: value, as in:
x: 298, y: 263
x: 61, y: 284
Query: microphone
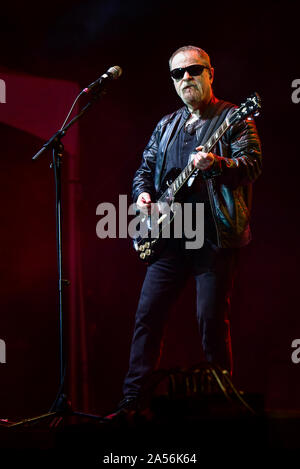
x: 111, y: 74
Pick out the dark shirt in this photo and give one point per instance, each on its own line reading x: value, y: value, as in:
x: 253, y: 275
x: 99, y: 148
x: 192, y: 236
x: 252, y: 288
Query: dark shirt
x: 178, y: 156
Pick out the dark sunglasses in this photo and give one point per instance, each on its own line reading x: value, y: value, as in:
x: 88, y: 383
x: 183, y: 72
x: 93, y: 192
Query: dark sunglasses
x: 193, y: 70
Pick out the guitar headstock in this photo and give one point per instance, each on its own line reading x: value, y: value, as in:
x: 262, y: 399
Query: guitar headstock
x: 252, y: 105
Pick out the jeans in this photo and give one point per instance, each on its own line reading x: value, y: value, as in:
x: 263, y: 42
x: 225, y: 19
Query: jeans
x: 213, y: 269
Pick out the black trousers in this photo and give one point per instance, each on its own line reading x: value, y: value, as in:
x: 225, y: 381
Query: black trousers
x: 213, y: 269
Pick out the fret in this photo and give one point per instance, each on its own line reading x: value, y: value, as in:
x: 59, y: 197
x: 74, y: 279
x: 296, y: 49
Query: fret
x: 224, y: 126
x: 207, y: 145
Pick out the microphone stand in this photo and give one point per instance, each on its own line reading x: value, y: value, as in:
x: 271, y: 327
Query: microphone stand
x: 61, y: 405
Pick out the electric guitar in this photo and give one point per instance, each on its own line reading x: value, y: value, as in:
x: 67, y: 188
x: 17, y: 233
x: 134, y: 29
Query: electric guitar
x: 150, y: 239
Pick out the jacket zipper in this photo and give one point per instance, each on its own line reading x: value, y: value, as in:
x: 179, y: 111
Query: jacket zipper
x: 212, y: 206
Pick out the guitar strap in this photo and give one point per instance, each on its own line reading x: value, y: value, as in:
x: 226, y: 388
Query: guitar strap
x: 206, y: 131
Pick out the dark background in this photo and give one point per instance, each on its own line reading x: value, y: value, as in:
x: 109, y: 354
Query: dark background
x: 253, y: 47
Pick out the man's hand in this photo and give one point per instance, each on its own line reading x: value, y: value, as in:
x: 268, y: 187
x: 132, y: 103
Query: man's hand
x: 203, y: 160
x: 144, y: 202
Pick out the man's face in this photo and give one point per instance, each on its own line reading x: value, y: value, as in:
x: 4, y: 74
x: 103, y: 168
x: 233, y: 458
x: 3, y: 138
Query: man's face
x: 196, y: 90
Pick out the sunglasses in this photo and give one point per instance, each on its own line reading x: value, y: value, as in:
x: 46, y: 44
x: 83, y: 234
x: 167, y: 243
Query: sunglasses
x: 193, y: 70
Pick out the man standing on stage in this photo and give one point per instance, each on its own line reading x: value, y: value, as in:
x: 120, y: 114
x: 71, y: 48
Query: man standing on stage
x: 224, y: 186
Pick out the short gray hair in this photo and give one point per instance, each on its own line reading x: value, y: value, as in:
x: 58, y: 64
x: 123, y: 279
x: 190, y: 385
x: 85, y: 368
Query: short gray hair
x: 199, y: 51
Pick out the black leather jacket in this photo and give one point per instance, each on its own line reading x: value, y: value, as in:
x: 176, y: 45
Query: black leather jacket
x: 229, y: 181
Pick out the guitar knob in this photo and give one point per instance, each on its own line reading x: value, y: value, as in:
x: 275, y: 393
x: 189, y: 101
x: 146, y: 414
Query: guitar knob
x: 142, y: 255
x: 142, y: 247
x: 148, y: 252
x: 147, y: 245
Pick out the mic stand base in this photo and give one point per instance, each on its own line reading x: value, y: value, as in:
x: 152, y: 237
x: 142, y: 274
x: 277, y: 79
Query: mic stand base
x: 61, y: 410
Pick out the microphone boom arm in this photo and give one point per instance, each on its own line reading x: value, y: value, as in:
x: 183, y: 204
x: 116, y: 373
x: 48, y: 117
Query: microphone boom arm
x: 55, y: 139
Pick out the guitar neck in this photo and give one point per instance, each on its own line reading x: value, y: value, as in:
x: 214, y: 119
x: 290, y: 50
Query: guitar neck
x: 190, y: 168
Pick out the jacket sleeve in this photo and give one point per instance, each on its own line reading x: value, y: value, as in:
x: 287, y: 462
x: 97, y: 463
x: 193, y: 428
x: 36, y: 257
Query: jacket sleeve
x: 243, y: 164
x: 143, y: 180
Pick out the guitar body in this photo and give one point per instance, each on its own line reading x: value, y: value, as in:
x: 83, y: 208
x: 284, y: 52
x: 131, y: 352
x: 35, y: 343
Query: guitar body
x: 151, y: 244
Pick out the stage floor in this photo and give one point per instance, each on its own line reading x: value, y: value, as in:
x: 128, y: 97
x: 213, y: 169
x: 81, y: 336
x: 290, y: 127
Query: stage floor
x: 139, y: 441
